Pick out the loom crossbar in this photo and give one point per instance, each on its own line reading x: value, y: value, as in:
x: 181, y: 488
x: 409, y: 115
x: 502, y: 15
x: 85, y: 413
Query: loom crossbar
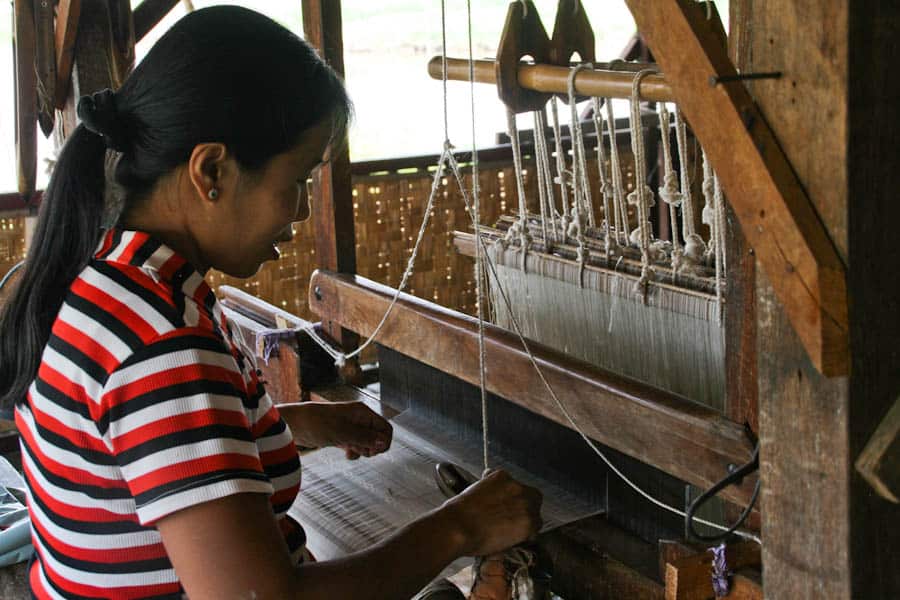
x: 687, y: 440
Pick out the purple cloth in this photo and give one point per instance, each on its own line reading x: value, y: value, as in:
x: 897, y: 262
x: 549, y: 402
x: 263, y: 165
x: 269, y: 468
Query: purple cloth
x: 720, y: 571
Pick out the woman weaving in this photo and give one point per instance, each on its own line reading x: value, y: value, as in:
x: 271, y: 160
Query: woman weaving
x: 157, y: 465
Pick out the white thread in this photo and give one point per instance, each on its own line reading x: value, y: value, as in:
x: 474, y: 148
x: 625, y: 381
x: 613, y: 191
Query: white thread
x: 479, y: 266
x: 562, y: 173
x: 522, y: 229
x: 517, y: 330
x: 615, y: 167
x: 579, y: 163
x: 539, y: 170
x: 669, y: 191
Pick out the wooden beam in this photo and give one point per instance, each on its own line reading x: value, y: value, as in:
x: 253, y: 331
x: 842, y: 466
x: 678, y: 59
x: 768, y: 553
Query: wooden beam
x: 26, y: 96
x: 554, y: 79
x: 685, y: 439
x: 690, y: 578
x: 775, y: 214
x: 67, y: 15
x: 332, y: 202
x: 148, y: 13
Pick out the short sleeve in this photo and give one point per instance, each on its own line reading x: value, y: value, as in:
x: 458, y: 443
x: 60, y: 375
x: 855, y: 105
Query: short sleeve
x: 174, y: 417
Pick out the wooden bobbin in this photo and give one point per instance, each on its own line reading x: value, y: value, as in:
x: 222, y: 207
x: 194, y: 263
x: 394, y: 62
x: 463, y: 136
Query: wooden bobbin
x: 523, y: 35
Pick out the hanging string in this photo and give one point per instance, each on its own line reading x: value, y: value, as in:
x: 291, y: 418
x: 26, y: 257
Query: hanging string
x: 618, y: 187
x: 642, y: 195
x: 669, y: 191
x: 479, y: 266
x: 720, y: 242
x: 708, y: 215
x: 694, y: 246
x: 605, y: 186
x: 520, y: 228
x: 539, y: 169
x: 562, y: 177
x: 579, y: 165
x: 542, y: 155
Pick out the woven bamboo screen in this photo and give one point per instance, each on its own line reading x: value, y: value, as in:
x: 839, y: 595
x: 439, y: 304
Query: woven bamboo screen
x: 388, y: 211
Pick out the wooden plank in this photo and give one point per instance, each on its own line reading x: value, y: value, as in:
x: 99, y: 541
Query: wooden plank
x: 879, y: 462
x: 776, y: 216
x: 697, y: 445
x: 690, y: 578
x: 148, y: 13
x: 25, y: 97
x: 332, y: 202
x: 45, y: 63
x: 592, y: 559
x: 825, y: 531
x: 67, y: 15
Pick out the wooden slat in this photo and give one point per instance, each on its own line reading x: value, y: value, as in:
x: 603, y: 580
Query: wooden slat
x: 332, y: 202
x: 67, y: 15
x: 45, y: 64
x: 148, y: 13
x: 687, y: 440
x: 776, y: 216
x: 689, y: 578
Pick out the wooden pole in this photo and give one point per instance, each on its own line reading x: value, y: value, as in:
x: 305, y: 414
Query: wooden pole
x: 601, y: 82
x: 332, y: 201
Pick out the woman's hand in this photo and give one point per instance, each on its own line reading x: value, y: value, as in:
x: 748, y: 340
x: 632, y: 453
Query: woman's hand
x: 353, y: 426
x: 495, y: 513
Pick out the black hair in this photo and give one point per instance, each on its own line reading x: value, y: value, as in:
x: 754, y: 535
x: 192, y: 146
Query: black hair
x: 221, y: 74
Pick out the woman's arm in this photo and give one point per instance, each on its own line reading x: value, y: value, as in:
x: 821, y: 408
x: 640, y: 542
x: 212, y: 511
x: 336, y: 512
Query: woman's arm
x: 350, y: 425
x: 232, y: 548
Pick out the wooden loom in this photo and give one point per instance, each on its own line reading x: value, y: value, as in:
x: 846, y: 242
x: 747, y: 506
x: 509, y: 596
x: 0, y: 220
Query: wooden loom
x: 786, y: 326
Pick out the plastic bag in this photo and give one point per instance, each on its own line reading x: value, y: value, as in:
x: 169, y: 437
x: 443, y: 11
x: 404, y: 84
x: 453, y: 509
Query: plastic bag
x: 15, y: 525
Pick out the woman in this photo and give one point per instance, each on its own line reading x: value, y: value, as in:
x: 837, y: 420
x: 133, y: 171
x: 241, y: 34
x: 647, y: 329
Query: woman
x: 157, y: 465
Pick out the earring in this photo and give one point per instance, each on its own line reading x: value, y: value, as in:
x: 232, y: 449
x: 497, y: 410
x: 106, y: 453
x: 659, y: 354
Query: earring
x: 213, y: 193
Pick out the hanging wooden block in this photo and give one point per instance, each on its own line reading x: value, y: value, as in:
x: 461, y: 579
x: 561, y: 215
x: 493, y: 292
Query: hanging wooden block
x: 67, y: 14
x: 523, y: 35
x: 776, y: 216
x: 572, y: 32
x: 45, y: 64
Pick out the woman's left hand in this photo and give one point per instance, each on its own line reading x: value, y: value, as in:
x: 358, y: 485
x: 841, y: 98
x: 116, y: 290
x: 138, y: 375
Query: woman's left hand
x: 353, y: 426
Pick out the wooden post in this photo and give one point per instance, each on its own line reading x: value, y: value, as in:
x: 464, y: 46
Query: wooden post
x: 332, y: 201
x: 826, y: 533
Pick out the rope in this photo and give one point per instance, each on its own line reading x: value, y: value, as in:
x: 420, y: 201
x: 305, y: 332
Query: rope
x: 642, y: 195
x: 579, y: 165
x: 519, y: 228
x: 562, y: 177
x: 669, y: 191
x: 605, y: 186
x: 694, y: 246
x: 541, y: 178
x: 542, y: 155
x: 615, y: 166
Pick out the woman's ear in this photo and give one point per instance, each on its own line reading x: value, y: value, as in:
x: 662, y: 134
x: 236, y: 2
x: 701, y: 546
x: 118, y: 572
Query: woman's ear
x: 208, y: 169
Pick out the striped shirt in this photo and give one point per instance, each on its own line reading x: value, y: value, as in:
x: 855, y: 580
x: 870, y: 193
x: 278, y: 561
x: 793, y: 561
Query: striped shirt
x: 143, y: 405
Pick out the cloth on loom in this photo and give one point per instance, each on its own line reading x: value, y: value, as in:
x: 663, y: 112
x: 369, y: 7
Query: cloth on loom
x: 348, y: 506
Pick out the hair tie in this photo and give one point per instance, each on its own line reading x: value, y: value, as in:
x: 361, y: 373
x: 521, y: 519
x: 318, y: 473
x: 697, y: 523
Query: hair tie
x: 98, y: 114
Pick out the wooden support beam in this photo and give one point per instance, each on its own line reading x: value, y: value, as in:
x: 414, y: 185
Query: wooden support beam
x: 148, y: 13
x: 553, y: 79
x: 332, y: 202
x: 67, y: 15
x: 25, y: 97
x: 775, y: 214
x: 685, y: 439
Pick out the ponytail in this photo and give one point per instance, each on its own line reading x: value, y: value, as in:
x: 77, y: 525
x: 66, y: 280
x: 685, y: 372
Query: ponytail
x: 65, y: 238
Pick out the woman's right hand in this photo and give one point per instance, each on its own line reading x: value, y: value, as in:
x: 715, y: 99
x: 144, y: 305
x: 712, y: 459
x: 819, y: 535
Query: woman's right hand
x: 495, y: 513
